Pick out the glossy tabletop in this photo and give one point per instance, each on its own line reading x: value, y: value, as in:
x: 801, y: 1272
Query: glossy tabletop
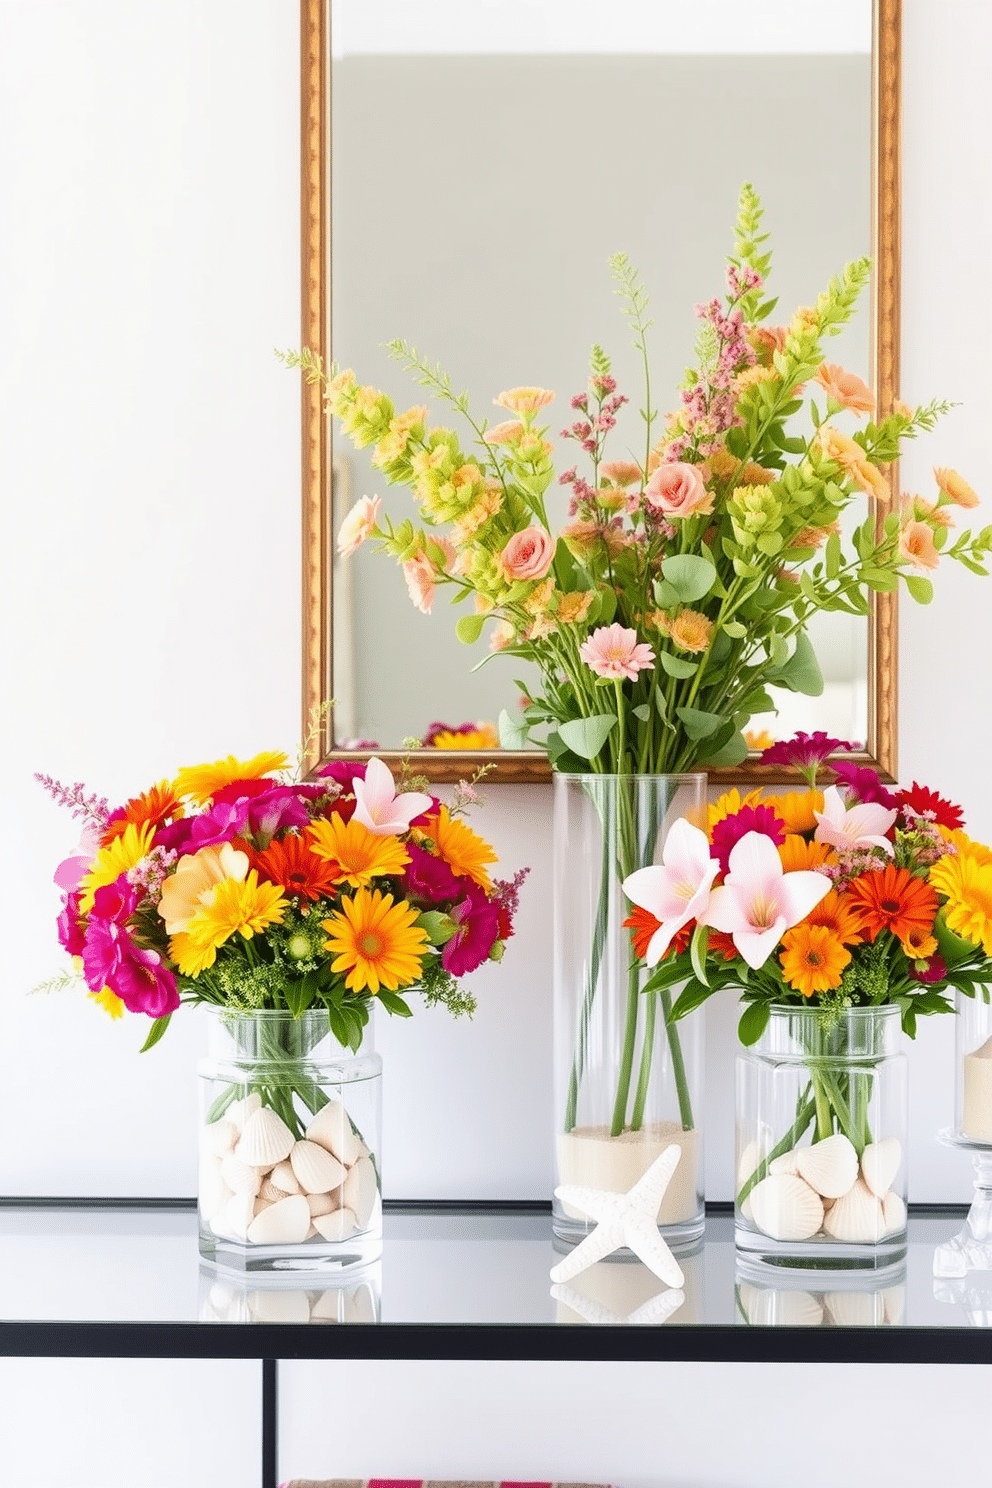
x: 465, y: 1283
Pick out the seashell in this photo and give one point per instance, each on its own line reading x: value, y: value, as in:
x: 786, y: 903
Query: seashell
x: 270, y: 1192
x: 283, y: 1177
x: 316, y: 1170
x: 855, y: 1309
x: 219, y: 1138
x: 785, y: 1163
x: 769, y: 1307
x: 275, y: 1306
x: 239, y: 1177
x: 239, y: 1214
x: 331, y: 1128
x: 360, y: 1191
x: 284, y: 1223
x: 830, y: 1167
x: 328, y: 1307
x: 880, y: 1164
x: 360, y: 1304
x: 212, y: 1191
x: 239, y: 1111
x: 786, y: 1208
x: 893, y: 1213
x: 856, y: 1216
x: 748, y: 1161
x: 312, y: 1232
x: 265, y: 1139
x: 337, y: 1225
x: 322, y: 1203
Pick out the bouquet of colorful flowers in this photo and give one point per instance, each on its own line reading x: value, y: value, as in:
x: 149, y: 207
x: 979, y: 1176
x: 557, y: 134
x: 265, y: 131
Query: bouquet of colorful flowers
x: 235, y: 886
x: 680, y: 586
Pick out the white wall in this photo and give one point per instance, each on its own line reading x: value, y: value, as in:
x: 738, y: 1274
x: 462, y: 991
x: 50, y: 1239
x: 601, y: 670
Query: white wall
x: 150, y: 582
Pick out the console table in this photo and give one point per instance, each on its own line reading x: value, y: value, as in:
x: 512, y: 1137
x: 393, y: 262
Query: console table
x: 98, y: 1279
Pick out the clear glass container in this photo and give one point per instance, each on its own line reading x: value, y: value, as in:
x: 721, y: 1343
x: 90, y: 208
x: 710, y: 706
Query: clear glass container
x: 290, y: 1151
x: 973, y: 1068
x: 627, y: 1082
x: 821, y: 1141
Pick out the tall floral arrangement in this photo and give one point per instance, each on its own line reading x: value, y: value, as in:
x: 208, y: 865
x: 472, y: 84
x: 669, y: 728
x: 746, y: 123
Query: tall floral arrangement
x: 679, y: 586
x: 234, y: 885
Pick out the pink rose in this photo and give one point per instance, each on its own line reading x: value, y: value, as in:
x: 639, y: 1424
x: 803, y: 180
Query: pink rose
x: 528, y: 554
x: 678, y: 490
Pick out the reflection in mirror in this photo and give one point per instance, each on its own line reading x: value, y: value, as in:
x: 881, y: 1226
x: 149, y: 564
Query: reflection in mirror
x: 479, y: 185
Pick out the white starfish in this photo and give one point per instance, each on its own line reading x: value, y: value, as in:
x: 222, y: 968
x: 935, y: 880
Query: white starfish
x: 629, y: 1219
x: 657, y: 1309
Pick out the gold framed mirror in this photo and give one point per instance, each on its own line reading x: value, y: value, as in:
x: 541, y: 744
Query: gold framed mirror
x: 319, y: 580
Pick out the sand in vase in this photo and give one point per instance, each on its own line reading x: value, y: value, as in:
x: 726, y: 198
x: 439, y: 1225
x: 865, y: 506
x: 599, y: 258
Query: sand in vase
x: 589, y: 1157
x: 977, y: 1117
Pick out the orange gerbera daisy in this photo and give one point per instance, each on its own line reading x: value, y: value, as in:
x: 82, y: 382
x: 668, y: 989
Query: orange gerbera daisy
x: 893, y: 899
x: 799, y: 856
x: 919, y: 945
x: 796, y: 809
x: 465, y: 853
x: 376, y: 942
x: 199, y: 782
x: 642, y: 926
x: 290, y: 864
x: 155, y: 806
x: 835, y: 914
x: 812, y: 959
x: 356, y: 855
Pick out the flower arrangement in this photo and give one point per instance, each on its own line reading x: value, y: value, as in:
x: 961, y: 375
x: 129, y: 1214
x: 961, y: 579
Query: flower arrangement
x: 680, y: 586
x: 855, y: 896
x: 235, y: 886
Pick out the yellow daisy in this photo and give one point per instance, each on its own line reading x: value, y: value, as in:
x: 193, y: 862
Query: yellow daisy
x: 795, y: 809
x: 729, y: 804
x: 199, y: 782
x: 376, y: 942
x: 965, y: 880
x: 116, y: 858
x: 358, y: 854
x: 465, y: 853
x: 109, y: 1001
x: 246, y: 908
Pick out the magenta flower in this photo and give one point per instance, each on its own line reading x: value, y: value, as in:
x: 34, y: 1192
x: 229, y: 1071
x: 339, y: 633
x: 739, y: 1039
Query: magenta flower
x: 71, y: 928
x: 934, y: 970
x: 613, y: 651
x: 729, y: 831
x: 477, y: 919
x: 429, y: 878
x: 804, y: 752
x: 112, y: 958
x: 863, y: 784
x: 224, y: 821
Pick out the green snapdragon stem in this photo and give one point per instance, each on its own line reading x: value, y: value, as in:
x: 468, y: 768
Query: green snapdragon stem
x: 589, y: 997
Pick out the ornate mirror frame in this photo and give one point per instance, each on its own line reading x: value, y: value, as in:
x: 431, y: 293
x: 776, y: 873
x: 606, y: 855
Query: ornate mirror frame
x: 315, y: 237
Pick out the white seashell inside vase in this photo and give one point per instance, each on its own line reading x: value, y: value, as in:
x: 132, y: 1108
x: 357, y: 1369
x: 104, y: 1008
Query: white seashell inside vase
x: 360, y: 1191
x: 786, y: 1208
x: 830, y: 1167
x: 283, y: 1177
x: 337, y: 1225
x: 212, y: 1192
x: 856, y: 1216
x: 323, y: 1203
x: 784, y: 1163
x: 265, y: 1139
x: 316, y: 1170
x: 284, y: 1223
x: 277, y: 1305
x: 219, y: 1138
x: 328, y: 1307
x: 880, y: 1163
x: 893, y: 1213
x: 239, y: 1214
x: 239, y: 1176
x: 239, y: 1111
x: 332, y: 1129
x: 269, y: 1193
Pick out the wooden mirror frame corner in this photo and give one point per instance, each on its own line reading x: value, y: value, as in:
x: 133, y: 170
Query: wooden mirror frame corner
x: 531, y: 766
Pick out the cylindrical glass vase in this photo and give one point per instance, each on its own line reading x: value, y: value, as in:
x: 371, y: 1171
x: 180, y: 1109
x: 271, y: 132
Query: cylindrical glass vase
x: 821, y: 1141
x: 973, y: 1068
x: 627, y: 1081
x: 290, y: 1169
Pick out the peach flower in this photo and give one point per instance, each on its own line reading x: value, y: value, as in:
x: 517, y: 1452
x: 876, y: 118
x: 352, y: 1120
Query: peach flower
x: 677, y: 490
x: 504, y: 433
x: 916, y: 544
x: 767, y: 340
x: 524, y: 399
x: 955, y: 486
x: 358, y: 525
x: 868, y: 478
x: 573, y: 608
x: 419, y: 573
x: 690, y: 630
x: 620, y: 472
x: 837, y: 446
x: 845, y: 388
x: 528, y: 554
x: 917, y: 509
x: 501, y: 636
x: 614, y: 651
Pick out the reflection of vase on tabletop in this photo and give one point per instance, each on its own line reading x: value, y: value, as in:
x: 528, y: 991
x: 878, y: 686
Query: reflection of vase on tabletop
x: 821, y: 1140
x: 628, y: 1082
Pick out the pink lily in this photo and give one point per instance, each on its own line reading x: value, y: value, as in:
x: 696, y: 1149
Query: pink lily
x: 758, y: 901
x: 379, y: 808
x: 677, y: 889
x: 863, y: 825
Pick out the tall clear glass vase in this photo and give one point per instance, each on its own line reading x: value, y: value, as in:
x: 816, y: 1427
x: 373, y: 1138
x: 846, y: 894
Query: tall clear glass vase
x: 627, y: 1081
x: 290, y: 1158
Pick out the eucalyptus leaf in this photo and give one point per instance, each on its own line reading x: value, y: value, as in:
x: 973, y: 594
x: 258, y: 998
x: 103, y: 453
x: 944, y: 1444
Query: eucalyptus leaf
x: 586, y: 736
x: 801, y: 673
x: 690, y: 575
x: 469, y: 628
x: 513, y: 732
x: 677, y: 666
x: 734, y: 752
x: 698, y: 723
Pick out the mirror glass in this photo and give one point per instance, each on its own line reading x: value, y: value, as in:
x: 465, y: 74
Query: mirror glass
x: 486, y: 162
